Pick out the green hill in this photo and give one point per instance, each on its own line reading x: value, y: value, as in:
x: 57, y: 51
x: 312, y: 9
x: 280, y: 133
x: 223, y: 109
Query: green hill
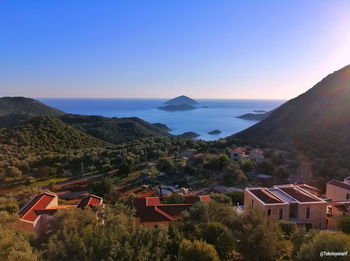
x: 316, y: 123
x: 114, y: 130
x: 44, y: 136
x: 21, y: 105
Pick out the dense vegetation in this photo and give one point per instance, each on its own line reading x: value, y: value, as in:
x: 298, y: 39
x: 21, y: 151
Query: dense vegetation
x: 115, y: 130
x: 21, y: 105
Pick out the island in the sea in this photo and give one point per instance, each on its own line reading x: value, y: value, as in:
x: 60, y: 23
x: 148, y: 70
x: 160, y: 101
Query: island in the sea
x: 189, y: 135
x: 255, y: 116
x: 214, y: 132
x: 180, y: 103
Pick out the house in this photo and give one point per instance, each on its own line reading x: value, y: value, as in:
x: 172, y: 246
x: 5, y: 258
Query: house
x: 288, y: 202
x: 238, y: 153
x: 257, y: 154
x: 151, y: 212
x: 339, y: 194
x: 34, y: 216
x: 338, y: 190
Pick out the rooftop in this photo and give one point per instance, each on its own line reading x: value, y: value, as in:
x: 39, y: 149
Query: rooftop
x: 340, y: 184
x: 265, y: 196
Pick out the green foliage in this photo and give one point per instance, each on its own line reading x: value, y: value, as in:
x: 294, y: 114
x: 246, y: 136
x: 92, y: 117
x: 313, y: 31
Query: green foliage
x: 12, y: 171
x: 218, y: 162
x: 344, y: 224
x: 234, y: 176
x: 15, y: 246
x: 248, y: 165
x: 174, y: 198
x: 9, y: 204
x: 221, y: 198
x: 325, y: 241
x: 114, y: 130
x: 220, y: 237
x: 210, y: 212
x: 103, y: 187
x: 287, y: 228
x: 197, y: 251
x: 258, y: 238
x: 165, y: 165
x: 236, y: 197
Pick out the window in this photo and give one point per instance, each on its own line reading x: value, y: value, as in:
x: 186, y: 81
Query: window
x: 308, y: 210
x: 348, y: 196
x: 280, y: 214
x: 269, y: 212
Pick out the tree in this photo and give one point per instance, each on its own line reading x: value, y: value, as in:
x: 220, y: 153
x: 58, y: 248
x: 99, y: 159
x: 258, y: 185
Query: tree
x: 234, y: 176
x: 258, y: 238
x: 165, y: 165
x: 103, y: 187
x: 30, y: 180
x: 344, y: 224
x: 9, y: 204
x: 197, y: 251
x: 236, y: 197
x: 15, y: 246
x: 220, y: 237
x: 287, y: 228
x: 13, y: 172
x: 174, y: 198
x: 325, y: 241
x: 221, y: 198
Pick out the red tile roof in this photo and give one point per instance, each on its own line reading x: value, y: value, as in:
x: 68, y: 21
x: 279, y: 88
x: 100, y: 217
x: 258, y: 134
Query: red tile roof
x: 29, y: 211
x: 150, y: 209
x: 154, y: 214
x: 195, y: 199
x: 240, y: 149
x: 339, y: 184
x: 91, y: 200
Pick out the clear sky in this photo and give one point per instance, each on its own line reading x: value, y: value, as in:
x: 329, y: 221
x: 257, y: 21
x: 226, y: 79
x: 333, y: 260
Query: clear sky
x: 159, y: 49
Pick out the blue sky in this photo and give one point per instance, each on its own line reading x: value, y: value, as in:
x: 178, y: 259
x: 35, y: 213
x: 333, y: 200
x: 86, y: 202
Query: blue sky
x: 160, y: 49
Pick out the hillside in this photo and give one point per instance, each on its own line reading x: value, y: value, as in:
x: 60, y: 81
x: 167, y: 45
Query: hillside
x: 43, y: 136
x: 181, y: 100
x: 114, y: 130
x: 316, y: 123
x: 21, y: 105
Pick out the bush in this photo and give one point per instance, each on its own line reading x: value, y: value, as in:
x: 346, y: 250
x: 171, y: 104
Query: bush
x: 221, y: 198
x: 197, y: 251
x: 287, y: 228
x: 236, y: 197
x: 344, y: 225
x: 324, y: 241
x: 174, y: 198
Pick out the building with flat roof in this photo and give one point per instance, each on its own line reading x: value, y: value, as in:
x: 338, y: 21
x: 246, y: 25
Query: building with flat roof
x: 288, y: 202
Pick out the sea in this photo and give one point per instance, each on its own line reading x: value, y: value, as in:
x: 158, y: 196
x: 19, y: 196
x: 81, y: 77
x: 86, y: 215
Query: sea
x: 211, y: 114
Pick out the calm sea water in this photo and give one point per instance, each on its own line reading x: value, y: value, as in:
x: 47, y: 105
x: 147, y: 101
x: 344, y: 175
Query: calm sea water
x: 220, y: 114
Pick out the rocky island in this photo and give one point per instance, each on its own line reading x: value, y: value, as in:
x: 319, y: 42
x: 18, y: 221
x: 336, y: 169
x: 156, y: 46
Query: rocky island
x: 255, y: 116
x: 189, y: 135
x: 180, y: 103
x: 214, y: 132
